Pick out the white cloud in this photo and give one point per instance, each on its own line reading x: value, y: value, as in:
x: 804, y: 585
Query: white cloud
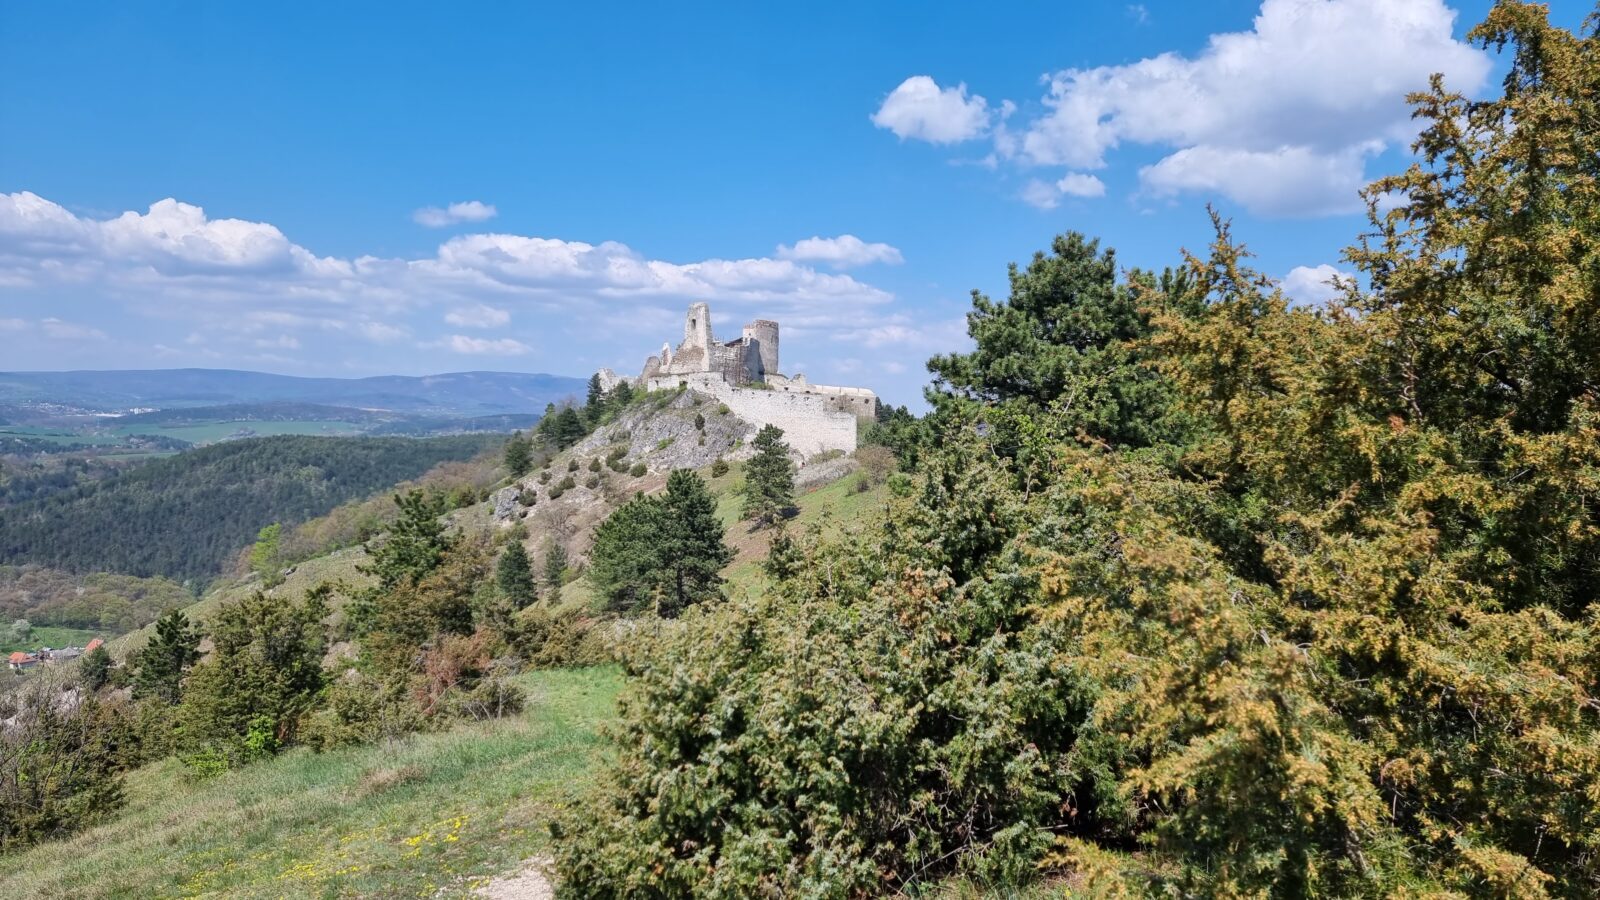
x: 1139, y: 13
x: 478, y: 316
x: 1313, y: 285
x: 1288, y: 181
x: 1310, y: 92
x: 1078, y: 184
x: 12, y: 325
x: 460, y: 343
x: 841, y: 252
x: 70, y: 331
x: 1047, y: 195
x: 454, y: 214
x: 239, y: 282
x: 919, y: 109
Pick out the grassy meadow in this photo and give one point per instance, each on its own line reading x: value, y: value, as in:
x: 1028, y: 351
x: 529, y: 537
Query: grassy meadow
x: 48, y: 636
x: 432, y: 815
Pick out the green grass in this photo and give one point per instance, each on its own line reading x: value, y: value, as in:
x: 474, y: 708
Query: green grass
x: 433, y: 815
x: 50, y: 636
x: 54, y: 435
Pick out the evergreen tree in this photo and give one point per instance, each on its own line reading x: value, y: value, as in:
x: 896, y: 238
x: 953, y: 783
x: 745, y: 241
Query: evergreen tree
x: 95, y: 668
x: 555, y: 566
x: 768, y: 478
x: 415, y: 543
x: 514, y: 576
x: 595, y: 402
x: 166, y: 658
x: 264, y: 553
x: 569, y: 428
x: 621, y: 395
x: 692, y: 549
x: 518, y: 455
x: 661, y: 552
x: 245, y: 701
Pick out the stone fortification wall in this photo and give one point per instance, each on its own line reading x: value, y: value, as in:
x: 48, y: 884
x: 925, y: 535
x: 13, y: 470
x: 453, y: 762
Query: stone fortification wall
x: 812, y: 422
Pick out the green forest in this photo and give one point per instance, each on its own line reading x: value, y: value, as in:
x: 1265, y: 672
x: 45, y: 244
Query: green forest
x: 185, y: 516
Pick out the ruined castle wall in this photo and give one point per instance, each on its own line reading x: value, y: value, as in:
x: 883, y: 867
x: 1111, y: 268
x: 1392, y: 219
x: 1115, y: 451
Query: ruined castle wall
x: 811, y: 423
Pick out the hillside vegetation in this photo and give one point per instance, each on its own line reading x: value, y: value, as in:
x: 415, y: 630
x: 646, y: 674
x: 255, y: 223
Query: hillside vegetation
x: 430, y: 816
x: 184, y: 516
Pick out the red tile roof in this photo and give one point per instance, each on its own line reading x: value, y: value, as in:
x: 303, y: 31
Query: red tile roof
x: 93, y: 644
x: 20, y: 657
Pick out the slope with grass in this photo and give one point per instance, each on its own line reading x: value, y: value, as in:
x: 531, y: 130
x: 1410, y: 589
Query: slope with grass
x: 432, y: 815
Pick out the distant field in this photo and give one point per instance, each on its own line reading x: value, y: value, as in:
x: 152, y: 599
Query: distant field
x: 55, y: 435
x: 212, y: 432
x: 433, y: 815
x: 48, y: 636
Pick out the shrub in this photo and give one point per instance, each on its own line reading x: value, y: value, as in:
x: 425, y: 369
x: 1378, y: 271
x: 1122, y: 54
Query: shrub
x: 664, y: 443
x: 638, y: 470
x: 722, y: 409
x: 572, y: 464
x: 544, y: 477
x: 618, y: 465
x: 699, y: 422
x: 592, y: 482
x: 617, y: 453
x: 719, y: 468
x: 61, y: 768
x: 594, y: 464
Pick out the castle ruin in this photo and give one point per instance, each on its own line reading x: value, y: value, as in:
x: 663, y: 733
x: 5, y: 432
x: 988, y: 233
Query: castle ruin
x: 744, y: 374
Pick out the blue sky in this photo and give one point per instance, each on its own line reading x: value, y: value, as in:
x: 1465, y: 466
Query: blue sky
x: 364, y: 188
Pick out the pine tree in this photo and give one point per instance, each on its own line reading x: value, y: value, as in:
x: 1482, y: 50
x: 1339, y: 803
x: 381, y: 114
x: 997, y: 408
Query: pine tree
x: 166, y: 658
x: 415, y: 544
x: 514, y: 576
x: 595, y: 403
x: 663, y: 553
x: 518, y: 456
x: 692, y: 550
x: 769, y: 478
x: 555, y: 566
x: 95, y: 668
x: 621, y: 395
x: 569, y: 428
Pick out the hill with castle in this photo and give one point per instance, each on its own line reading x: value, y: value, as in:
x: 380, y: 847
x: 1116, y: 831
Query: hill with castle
x: 744, y: 375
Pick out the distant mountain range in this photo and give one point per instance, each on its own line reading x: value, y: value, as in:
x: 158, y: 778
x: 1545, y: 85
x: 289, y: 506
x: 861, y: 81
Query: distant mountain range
x: 454, y: 394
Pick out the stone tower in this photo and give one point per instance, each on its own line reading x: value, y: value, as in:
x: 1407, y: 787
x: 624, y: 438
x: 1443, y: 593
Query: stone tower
x: 763, y: 334
x: 697, y: 327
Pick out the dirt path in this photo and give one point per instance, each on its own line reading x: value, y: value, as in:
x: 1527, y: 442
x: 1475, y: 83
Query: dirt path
x: 529, y: 884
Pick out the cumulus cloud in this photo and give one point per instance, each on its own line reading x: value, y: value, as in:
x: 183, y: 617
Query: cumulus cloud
x: 1313, y: 285
x: 1309, y: 93
x: 478, y: 316
x: 460, y: 343
x: 921, y: 110
x: 237, y: 281
x: 840, y: 252
x: 1047, y: 194
x: 454, y: 214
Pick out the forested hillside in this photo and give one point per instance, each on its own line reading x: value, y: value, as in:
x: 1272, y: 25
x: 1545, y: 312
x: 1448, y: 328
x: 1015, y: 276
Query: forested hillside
x: 184, y: 516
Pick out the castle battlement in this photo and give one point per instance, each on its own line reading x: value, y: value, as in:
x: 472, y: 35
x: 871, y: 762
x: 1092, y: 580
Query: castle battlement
x: 744, y: 374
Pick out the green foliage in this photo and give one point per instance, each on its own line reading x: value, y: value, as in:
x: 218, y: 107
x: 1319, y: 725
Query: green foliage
x: 1309, y: 613
x: 555, y: 566
x: 768, y: 478
x: 60, y: 766
x: 218, y: 498
x: 265, y: 552
x: 166, y: 658
x: 594, y: 464
x: 638, y: 470
x: 699, y: 422
x: 622, y: 394
x: 514, y: 576
x: 661, y: 553
x: 415, y: 543
x: 246, y: 700
x: 94, y: 670
x: 1067, y: 339
x: 719, y: 467
x: 596, y: 395
x: 518, y: 456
